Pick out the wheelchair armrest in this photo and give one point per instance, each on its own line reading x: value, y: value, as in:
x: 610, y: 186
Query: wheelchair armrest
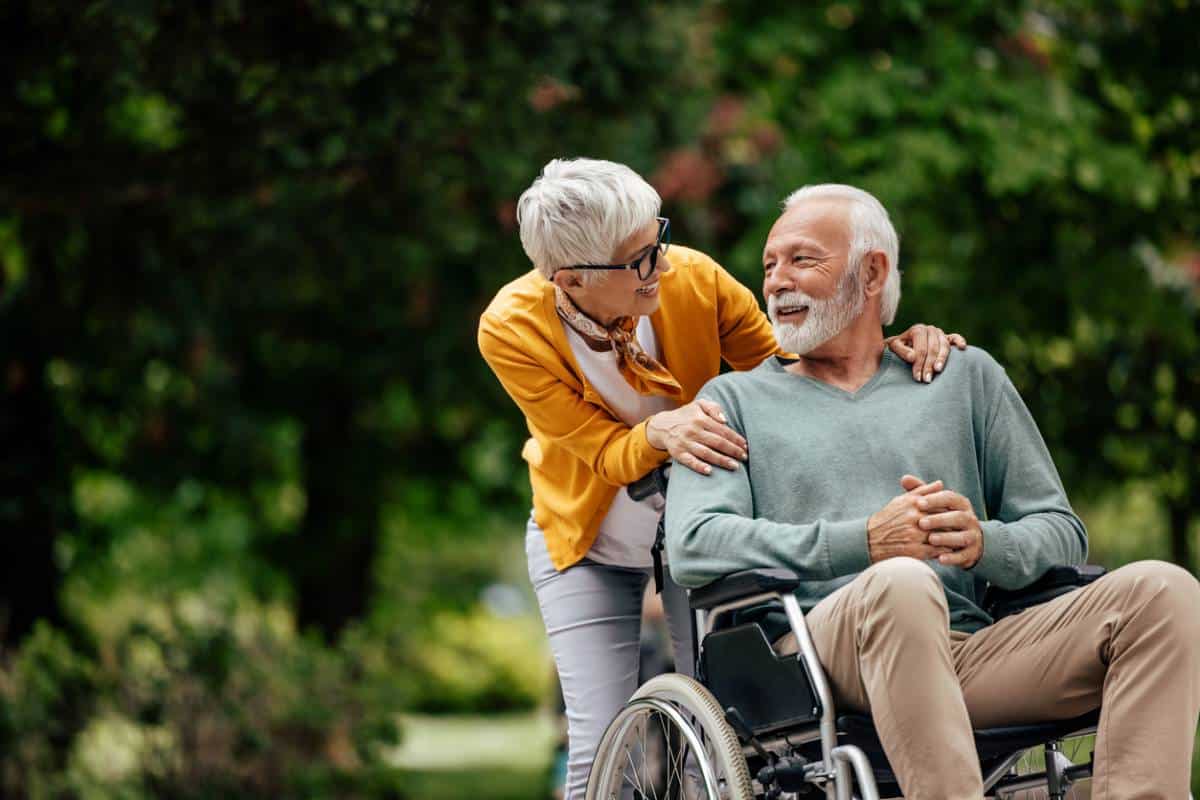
x: 742, y: 584
x: 1057, y: 581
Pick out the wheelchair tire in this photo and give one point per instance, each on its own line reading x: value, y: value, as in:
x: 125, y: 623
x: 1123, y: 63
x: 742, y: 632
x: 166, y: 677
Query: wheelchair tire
x: 670, y: 714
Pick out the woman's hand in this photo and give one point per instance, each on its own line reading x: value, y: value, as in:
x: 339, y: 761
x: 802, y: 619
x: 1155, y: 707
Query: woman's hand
x: 697, y: 436
x: 926, y: 347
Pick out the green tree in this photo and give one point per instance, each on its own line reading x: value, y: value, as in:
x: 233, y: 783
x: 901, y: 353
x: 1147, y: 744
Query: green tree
x: 247, y: 246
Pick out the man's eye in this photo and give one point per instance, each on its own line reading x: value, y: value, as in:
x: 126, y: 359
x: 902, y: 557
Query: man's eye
x: 801, y: 258
x: 767, y: 267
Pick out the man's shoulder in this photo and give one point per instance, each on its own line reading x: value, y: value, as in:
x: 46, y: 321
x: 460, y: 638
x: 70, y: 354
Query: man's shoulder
x: 738, y: 383
x: 974, y: 362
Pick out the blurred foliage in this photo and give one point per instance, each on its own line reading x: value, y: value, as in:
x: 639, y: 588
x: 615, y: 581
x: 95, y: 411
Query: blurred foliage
x: 243, y: 250
x: 196, y: 701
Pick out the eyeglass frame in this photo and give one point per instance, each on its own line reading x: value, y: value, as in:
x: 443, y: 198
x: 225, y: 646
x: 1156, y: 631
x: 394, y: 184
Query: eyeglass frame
x: 660, y: 247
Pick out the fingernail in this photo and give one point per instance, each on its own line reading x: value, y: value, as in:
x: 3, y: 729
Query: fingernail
x: 707, y: 469
x: 938, y: 366
x: 928, y: 377
x: 723, y: 418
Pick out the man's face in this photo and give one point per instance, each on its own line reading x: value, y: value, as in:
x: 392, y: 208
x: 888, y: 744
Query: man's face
x: 811, y: 294
x: 623, y: 293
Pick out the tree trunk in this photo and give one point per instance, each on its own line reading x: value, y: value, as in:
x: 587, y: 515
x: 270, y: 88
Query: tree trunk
x: 32, y: 482
x: 329, y: 558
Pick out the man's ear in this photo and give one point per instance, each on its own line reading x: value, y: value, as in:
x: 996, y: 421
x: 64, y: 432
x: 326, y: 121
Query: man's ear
x: 875, y: 272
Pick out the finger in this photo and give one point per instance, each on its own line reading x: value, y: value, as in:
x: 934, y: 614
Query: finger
x: 901, y: 349
x: 955, y: 540
x: 943, y: 352
x: 927, y: 488
x: 712, y: 409
x: 917, y: 333
x: 965, y: 558
x: 932, y: 334
x: 720, y: 444
x: 910, y: 482
x: 725, y: 433
x: 710, y: 456
x: 943, y: 500
x: 946, y: 521
x: 958, y: 341
x: 693, y: 463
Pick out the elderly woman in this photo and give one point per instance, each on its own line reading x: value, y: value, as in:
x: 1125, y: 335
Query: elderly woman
x: 603, y: 346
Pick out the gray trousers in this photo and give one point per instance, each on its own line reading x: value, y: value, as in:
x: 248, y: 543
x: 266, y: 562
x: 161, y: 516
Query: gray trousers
x: 593, y: 616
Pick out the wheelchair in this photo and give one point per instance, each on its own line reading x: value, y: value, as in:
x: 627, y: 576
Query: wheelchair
x: 755, y: 724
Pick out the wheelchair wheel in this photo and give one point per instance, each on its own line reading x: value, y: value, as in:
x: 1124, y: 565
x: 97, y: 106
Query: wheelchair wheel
x: 670, y: 741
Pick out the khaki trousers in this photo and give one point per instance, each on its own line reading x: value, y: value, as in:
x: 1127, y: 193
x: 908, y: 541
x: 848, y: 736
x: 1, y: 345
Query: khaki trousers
x: 1128, y: 643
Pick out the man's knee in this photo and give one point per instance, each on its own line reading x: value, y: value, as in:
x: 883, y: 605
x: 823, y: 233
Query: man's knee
x: 902, y: 581
x: 1170, y: 593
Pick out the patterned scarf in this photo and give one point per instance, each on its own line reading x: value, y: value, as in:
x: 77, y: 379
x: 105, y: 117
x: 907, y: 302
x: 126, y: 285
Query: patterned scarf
x: 643, y: 373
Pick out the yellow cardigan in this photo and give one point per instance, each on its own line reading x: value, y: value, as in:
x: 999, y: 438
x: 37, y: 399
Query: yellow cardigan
x: 580, y: 453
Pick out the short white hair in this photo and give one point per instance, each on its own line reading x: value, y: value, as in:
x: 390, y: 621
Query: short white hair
x: 870, y: 229
x: 580, y: 210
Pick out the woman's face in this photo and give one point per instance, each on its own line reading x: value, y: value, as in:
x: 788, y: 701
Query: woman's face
x: 623, y: 294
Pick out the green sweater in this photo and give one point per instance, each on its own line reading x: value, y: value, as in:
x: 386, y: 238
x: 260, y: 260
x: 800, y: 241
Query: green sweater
x: 822, y: 461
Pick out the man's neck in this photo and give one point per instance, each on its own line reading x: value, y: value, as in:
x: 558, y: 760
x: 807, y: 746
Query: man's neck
x: 846, y: 361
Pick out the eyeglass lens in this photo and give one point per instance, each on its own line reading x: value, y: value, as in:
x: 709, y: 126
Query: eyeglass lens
x: 649, y: 262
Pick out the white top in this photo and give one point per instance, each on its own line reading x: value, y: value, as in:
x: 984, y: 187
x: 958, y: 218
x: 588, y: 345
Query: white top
x: 627, y: 531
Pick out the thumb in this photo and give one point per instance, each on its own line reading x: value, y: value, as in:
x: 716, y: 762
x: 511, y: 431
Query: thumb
x: 713, y: 410
x: 910, y: 482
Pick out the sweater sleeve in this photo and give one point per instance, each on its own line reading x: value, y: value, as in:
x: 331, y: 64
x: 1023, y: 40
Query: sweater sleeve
x: 617, y: 453
x: 711, y: 528
x: 1030, y: 525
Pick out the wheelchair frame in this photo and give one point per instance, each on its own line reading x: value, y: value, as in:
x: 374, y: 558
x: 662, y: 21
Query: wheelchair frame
x: 840, y: 763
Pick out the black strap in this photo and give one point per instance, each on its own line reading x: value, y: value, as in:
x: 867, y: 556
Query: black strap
x: 656, y: 553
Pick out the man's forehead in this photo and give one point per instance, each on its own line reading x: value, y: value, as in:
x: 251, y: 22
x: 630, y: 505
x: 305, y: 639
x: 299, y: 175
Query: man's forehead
x: 824, y: 221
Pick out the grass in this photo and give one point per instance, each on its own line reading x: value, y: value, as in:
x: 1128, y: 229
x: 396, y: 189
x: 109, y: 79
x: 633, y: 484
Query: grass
x: 503, y: 757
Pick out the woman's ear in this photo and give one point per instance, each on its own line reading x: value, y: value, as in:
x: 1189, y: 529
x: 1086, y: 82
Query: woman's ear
x: 875, y: 272
x: 566, y: 279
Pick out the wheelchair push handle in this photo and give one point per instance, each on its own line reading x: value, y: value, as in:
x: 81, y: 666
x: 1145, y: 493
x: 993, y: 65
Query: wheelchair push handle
x: 652, y: 483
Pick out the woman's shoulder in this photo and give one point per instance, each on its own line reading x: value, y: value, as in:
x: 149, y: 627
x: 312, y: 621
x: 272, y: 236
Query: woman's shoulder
x: 519, y: 297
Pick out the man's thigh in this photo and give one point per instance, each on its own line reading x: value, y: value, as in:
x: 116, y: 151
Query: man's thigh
x: 1047, y: 662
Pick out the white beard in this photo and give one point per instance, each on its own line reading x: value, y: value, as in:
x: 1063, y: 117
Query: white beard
x: 825, y: 319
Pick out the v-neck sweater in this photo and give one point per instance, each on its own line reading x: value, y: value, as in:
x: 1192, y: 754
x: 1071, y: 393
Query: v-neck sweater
x: 823, y: 460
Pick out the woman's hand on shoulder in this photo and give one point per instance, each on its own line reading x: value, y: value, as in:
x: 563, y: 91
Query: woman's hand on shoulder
x: 926, y: 347
x: 697, y: 436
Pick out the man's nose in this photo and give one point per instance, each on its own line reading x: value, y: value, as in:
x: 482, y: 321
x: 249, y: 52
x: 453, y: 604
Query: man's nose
x: 777, y: 283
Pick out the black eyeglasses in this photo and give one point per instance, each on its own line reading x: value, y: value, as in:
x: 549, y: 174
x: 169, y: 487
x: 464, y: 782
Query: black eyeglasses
x: 647, y: 262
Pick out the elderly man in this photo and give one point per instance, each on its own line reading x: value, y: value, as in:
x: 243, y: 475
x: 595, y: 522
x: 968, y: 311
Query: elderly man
x: 894, y: 574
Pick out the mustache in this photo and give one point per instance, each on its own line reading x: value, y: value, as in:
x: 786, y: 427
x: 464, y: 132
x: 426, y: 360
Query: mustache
x: 792, y: 298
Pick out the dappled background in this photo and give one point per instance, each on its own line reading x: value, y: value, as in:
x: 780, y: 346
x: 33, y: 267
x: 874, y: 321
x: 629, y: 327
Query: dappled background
x: 261, y: 500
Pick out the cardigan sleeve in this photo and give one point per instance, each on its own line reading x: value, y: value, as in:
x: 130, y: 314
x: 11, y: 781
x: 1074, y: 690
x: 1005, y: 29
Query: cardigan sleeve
x: 616, y: 453
x: 746, y: 335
